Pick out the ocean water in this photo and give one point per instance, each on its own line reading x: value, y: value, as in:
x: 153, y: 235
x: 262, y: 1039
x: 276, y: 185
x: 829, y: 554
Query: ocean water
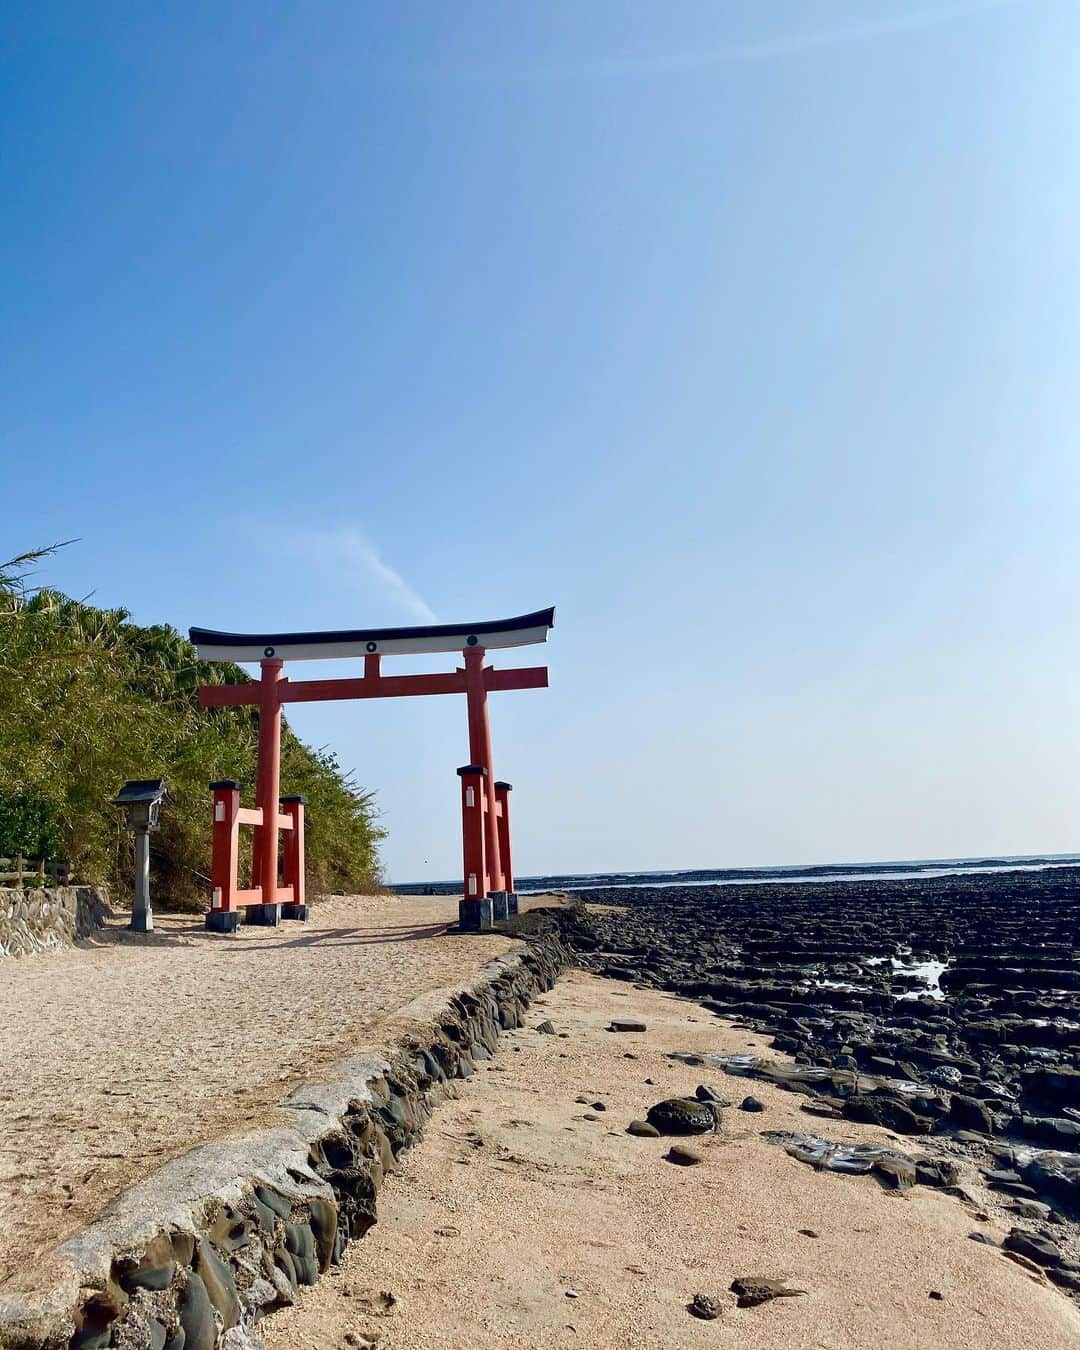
x: 741, y: 876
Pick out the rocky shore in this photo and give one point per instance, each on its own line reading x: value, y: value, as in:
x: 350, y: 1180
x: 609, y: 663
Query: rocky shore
x: 946, y: 1008
x: 588, y: 1187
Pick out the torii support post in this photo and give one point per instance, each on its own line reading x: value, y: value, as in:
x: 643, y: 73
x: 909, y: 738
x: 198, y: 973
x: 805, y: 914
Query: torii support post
x: 224, y: 916
x: 264, y: 861
x: 474, y: 908
x: 480, y: 753
x: 502, y: 803
x: 293, y: 863
x: 228, y: 899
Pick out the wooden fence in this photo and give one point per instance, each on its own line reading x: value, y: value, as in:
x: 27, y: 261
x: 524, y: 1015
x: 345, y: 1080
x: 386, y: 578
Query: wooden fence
x: 42, y: 871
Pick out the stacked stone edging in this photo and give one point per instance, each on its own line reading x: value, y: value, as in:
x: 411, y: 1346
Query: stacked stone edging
x: 193, y: 1257
x: 40, y: 919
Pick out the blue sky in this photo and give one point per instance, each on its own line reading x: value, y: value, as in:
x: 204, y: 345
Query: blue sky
x: 747, y: 334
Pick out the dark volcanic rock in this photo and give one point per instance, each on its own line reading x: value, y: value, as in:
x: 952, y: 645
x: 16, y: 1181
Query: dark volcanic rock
x: 218, y: 1280
x: 1056, y: 1175
x: 936, y: 1172
x: 1067, y: 1276
x: 684, y: 1115
x: 895, y: 1172
x: 196, y: 1315
x: 888, y: 1111
x: 969, y: 1114
x: 1057, y: 1086
x: 643, y: 1129
x: 751, y: 1104
x: 1034, y: 1246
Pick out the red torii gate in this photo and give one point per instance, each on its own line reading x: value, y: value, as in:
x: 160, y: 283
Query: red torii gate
x: 488, y: 886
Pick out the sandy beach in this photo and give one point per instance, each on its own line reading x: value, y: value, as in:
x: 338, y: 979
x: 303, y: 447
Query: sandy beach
x: 137, y: 1047
x: 529, y: 1217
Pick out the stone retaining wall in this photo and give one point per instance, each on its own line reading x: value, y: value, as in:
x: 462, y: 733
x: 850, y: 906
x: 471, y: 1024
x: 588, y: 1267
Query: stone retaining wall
x: 193, y: 1257
x: 39, y: 919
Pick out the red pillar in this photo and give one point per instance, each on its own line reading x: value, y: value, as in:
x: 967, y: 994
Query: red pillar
x: 502, y: 798
x: 480, y: 754
x: 474, y: 909
x: 268, y: 787
x: 224, y: 915
x: 293, y: 807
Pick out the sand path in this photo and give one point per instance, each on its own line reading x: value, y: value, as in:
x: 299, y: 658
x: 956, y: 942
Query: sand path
x: 514, y: 1199
x: 118, y: 1056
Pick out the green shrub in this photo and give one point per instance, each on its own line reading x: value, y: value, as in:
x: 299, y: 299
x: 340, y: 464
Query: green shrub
x: 28, y: 826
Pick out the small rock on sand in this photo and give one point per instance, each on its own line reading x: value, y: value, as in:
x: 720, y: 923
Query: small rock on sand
x: 684, y: 1156
x: 706, y: 1306
x: 627, y: 1024
x: 643, y: 1129
x: 754, y: 1289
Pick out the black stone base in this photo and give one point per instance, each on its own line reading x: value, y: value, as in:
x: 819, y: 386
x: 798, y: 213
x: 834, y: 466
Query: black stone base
x: 474, y: 916
x: 498, y: 904
x: 295, y: 912
x: 142, y: 921
x: 268, y: 916
x: 511, y: 904
x: 223, y: 920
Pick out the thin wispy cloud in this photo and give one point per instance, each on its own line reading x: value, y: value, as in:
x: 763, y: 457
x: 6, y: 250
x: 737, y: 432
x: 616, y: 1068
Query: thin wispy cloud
x: 353, y: 558
x: 788, y: 44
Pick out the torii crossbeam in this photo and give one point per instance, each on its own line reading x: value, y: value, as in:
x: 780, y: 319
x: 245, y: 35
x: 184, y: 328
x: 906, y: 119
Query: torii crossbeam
x: 488, y: 885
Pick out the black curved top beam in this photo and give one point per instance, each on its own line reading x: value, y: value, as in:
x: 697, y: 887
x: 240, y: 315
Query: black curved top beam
x: 435, y: 637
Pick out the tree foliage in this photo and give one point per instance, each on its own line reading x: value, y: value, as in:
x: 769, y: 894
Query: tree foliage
x: 89, y: 699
